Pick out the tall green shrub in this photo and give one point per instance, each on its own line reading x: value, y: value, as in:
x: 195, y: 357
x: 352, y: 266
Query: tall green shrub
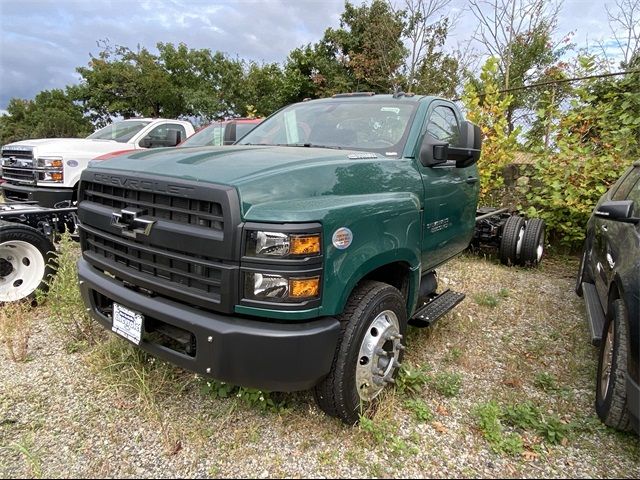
x: 487, y: 108
x: 596, y: 138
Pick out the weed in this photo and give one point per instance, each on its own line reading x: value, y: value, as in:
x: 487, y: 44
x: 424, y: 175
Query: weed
x: 133, y: 372
x: 261, y: 399
x: 66, y: 307
x: 528, y: 416
x: 488, y: 418
x: 545, y: 382
x: 454, y: 355
x: 411, y: 380
x: 420, y: 409
x: 15, y: 329
x: 486, y: 300
x: 447, y: 384
x: 378, y: 432
x: 504, y: 293
x: 27, y: 450
x: 524, y: 416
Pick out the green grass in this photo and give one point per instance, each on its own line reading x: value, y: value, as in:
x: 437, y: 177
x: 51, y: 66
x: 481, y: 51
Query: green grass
x: 447, y: 383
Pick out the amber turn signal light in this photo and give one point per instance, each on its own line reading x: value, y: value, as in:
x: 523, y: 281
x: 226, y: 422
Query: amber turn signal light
x: 304, y: 287
x: 304, y: 244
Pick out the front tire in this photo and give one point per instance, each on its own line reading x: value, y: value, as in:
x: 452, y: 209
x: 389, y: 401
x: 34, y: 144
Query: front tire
x: 369, y: 351
x: 611, y: 388
x: 26, y: 262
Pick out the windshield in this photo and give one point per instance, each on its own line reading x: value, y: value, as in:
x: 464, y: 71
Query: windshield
x: 120, y: 131
x: 211, y: 135
x: 379, y: 126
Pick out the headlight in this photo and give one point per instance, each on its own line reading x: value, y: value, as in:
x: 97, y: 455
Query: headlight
x: 50, y: 162
x: 51, y: 169
x: 279, y: 244
x: 280, y: 288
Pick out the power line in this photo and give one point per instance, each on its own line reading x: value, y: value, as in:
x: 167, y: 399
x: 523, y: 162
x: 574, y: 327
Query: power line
x: 555, y: 82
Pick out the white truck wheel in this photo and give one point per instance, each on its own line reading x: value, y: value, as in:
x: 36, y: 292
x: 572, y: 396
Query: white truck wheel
x: 25, y: 261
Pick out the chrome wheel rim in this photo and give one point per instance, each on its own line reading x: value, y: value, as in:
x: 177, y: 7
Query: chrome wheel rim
x: 378, y: 357
x: 23, y: 269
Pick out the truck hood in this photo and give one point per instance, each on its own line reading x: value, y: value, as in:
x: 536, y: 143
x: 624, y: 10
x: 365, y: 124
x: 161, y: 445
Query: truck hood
x: 264, y: 174
x: 70, y: 147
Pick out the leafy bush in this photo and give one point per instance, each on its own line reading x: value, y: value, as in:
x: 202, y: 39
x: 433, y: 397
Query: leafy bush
x: 488, y: 110
x: 594, y: 141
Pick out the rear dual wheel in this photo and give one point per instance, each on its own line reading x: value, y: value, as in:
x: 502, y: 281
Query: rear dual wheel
x: 522, y: 242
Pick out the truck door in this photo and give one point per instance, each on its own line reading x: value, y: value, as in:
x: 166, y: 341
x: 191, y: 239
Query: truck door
x: 451, y: 194
x: 613, y: 240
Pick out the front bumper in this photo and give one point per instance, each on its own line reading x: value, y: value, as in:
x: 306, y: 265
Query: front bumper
x: 44, y: 196
x: 251, y: 353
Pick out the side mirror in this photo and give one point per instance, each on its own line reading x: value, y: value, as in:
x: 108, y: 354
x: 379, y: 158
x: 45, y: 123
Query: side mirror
x: 433, y: 152
x: 471, y: 145
x: 145, y: 142
x: 617, y: 210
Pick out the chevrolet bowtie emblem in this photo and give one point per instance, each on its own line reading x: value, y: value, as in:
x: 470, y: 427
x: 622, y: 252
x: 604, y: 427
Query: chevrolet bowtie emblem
x: 132, y: 222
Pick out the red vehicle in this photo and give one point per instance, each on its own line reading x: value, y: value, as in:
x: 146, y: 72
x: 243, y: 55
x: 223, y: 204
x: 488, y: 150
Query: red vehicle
x: 221, y: 133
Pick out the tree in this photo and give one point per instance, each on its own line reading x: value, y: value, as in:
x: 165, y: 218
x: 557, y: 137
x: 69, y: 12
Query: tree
x: 427, y: 69
x: 123, y: 82
x: 624, y: 23
x: 51, y: 114
x: 519, y: 33
x: 210, y: 84
x: 369, y: 43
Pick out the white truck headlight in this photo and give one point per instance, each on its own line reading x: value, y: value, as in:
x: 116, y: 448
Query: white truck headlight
x: 51, y: 169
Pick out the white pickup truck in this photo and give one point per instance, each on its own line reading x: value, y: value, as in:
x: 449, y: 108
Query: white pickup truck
x: 48, y: 170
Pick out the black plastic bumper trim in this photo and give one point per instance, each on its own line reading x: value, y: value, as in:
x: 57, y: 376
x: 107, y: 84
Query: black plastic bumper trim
x: 45, y: 197
x: 258, y: 354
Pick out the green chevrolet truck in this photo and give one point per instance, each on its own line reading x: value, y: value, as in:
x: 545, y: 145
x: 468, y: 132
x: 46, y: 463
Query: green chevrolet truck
x: 294, y: 259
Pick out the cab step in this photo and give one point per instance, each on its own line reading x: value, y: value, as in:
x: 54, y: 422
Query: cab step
x: 595, y: 314
x: 435, y: 308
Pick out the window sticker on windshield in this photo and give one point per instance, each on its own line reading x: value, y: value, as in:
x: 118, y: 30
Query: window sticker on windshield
x: 395, y: 110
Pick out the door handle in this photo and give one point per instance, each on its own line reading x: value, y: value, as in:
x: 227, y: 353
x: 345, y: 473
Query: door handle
x: 610, y: 261
x: 472, y: 180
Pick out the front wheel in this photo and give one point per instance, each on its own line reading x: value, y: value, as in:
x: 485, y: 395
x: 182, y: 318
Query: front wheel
x: 611, y: 388
x: 25, y: 261
x: 369, y: 351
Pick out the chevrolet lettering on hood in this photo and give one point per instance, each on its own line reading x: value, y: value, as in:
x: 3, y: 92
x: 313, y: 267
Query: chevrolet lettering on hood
x: 147, y: 185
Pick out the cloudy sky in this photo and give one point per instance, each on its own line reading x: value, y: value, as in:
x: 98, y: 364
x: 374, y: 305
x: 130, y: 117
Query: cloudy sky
x: 43, y: 41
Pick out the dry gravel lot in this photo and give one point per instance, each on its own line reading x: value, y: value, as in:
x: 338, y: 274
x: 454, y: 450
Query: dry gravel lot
x: 518, y: 339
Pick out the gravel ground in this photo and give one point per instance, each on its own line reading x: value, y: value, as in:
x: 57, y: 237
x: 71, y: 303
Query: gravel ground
x: 62, y: 415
